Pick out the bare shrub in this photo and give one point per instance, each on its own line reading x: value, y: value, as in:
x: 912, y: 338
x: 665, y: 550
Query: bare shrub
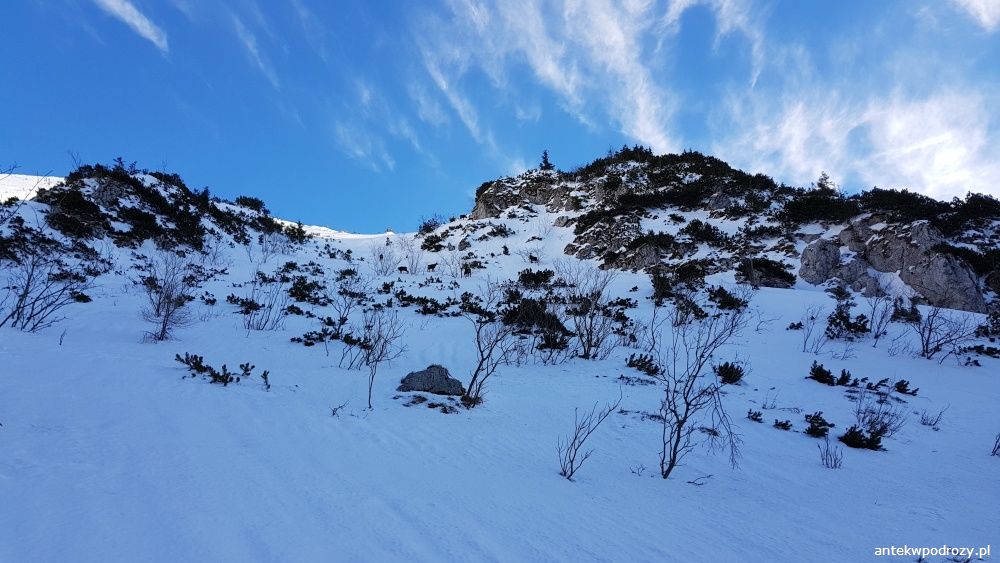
x: 942, y: 330
x: 494, y: 338
x: 381, y: 333
x: 266, y: 306
x: 530, y: 254
x: 587, y: 306
x: 932, y: 420
x: 166, y: 284
x: 996, y: 447
x: 267, y: 246
x: 649, y: 333
x: 880, y: 307
x: 452, y: 263
x: 413, y: 254
x: 875, y: 414
x: 351, y: 293
x: 382, y: 258
x: 570, y: 449
x: 814, y: 337
x: 829, y: 455
x: 42, y: 280
x: 690, y: 399
x: 213, y: 254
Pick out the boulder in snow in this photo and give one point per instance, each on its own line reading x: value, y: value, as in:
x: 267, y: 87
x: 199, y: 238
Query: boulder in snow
x: 435, y: 379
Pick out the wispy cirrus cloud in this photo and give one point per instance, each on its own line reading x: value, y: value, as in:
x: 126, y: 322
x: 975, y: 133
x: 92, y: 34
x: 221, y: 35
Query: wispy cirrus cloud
x: 985, y: 12
x: 732, y: 16
x: 313, y: 28
x: 938, y: 142
x: 369, y: 125
x: 127, y: 13
x: 249, y: 41
x: 589, y: 53
x: 363, y: 146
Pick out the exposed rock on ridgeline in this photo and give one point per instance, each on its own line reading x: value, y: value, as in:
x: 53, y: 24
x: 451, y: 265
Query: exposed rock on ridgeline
x: 910, y: 250
x: 637, y: 211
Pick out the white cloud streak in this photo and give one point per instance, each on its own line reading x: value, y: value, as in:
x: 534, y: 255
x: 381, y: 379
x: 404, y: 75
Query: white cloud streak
x: 938, y: 144
x: 249, y: 41
x: 985, y: 12
x: 590, y: 53
x: 128, y: 14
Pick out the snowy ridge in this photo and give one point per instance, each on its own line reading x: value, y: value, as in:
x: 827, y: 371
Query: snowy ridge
x: 24, y: 186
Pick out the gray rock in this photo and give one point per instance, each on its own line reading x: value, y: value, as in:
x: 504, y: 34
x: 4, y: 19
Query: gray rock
x: 561, y: 221
x: 819, y: 260
x: 435, y: 379
x: 947, y: 282
x: 464, y: 244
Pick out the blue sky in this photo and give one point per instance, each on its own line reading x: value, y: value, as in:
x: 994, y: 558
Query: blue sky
x: 368, y: 115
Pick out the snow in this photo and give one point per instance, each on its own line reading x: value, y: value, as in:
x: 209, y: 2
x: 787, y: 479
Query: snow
x: 23, y: 186
x: 108, y: 453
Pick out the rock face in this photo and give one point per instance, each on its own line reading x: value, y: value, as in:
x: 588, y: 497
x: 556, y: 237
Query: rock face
x: 533, y: 187
x: 435, y: 379
x: 909, y: 250
x: 947, y: 282
x: 819, y: 260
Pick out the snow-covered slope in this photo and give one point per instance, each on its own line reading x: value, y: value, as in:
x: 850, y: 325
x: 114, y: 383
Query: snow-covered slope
x: 110, y: 452
x: 23, y: 186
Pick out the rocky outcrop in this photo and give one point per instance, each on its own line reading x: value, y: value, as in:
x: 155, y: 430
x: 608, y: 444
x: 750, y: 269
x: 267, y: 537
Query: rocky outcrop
x: 608, y: 240
x: 819, y: 260
x: 435, y: 379
x: 945, y: 281
x: 533, y: 187
x: 909, y: 250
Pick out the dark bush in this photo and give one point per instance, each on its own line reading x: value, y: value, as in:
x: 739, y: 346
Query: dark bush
x: 903, y: 387
x: 725, y: 300
x: 701, y: 231
x: 819, y: 427
x: 535, y: 278
x: 644, y: 363
x: 904, y: 206
x: 857, y: 438
x: 819, y: 373
x: 820, y: 204
x: 765, y: 272
x: 252, y: 203
x: 430, y: 224
x: 729, y: 373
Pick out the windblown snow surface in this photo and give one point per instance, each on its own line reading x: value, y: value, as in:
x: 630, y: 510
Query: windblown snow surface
x: 24, y: 186
x: 109, y: 453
